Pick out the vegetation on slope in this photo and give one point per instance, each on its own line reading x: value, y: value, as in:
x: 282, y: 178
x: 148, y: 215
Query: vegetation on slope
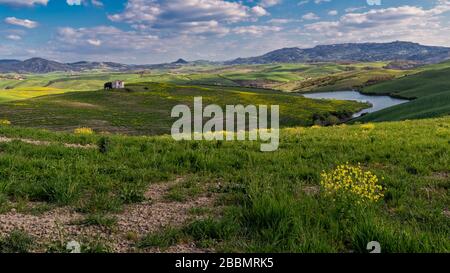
x: 269, y: 202
x: 430, y: 89
x: 146, y: 108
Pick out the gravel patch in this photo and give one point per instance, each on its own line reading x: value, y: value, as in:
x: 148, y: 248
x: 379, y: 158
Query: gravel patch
x: 59, y: 225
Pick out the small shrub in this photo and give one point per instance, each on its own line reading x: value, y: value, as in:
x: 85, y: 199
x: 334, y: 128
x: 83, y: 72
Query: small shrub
x: 84, y: 131
x: 130, y: 194
x: 16, y: 242
x: 353, y: 181
x: 103, y: 145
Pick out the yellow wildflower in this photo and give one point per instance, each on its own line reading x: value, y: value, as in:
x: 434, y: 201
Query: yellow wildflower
x: 368, y: 126
x: 84, y: 131
x: 353, y: 180
x: 5, y: 122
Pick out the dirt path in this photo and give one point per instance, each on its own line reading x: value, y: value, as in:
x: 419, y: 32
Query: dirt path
x: 59, y: 225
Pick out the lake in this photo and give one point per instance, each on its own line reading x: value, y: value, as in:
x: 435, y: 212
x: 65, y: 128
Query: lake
x: 378, y: 102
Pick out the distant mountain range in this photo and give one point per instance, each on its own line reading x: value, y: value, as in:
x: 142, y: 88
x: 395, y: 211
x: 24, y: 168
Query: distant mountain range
x: 412, y: 53
x: 39, y: 65
x: 364, y: 52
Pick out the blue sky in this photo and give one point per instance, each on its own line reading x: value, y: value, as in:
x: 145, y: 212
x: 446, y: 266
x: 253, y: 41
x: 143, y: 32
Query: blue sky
x: 154, y: 31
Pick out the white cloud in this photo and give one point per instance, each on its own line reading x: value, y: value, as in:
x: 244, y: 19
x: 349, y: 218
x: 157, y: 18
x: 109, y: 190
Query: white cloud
x: 256, y: 30
x: 259, y: 11
x: 74, y: 2
x: 280, y: 21
x: 28, y: 3
x: 333, y: 12
x: 97, y: 3
x: 86, y: 38
x: 21, y: 22
x: 321, y: 1
x: 310, y: 16
x: 94, y: 42
x: 180, y: 15
x: 14, y: 37
x: 270, y: 3
x: 395, y: 23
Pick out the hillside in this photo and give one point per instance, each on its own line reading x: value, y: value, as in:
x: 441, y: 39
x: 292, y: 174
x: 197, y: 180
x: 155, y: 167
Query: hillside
x: 144, y: 109
x: 145, y: 194
x: 364, y: 52
x: 42, y: 66
x: 430, y: 89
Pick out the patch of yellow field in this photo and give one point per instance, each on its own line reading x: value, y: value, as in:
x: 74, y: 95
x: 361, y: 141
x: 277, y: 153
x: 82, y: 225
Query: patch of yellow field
x: 28, y: 92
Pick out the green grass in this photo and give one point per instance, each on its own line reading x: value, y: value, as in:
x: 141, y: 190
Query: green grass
x: 265, y: 198
x: 426, y: 107
x: 430, y: 89
x: 147, y: 108
x: 16, y: 242
x: 163, y: 239
x: 415, y: 86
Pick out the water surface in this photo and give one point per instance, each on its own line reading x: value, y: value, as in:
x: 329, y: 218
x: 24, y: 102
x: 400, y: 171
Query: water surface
x: 378, y: 102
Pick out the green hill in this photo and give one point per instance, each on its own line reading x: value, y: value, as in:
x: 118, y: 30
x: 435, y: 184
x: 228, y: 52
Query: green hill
x: 430, y: 89
x: 415, y: 86
x: 426, y: 107
x: 145, y: 109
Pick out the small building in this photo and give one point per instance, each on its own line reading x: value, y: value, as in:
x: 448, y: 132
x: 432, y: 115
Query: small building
x: 118, y: 84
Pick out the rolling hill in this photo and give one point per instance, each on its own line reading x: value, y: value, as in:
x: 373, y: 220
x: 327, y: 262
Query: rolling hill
x: 144, y: 109
x: 430, y: 90
x: 42, y: 66
x: 364, y: 52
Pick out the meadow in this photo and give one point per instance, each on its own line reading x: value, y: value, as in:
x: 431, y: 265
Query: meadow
x: 257, y: 202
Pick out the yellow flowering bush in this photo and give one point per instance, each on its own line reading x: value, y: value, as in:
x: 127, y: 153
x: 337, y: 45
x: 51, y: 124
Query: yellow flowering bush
x: 84, y: 131
x: 5, y: 122
x: 368, y: 126
x: 347, y: 180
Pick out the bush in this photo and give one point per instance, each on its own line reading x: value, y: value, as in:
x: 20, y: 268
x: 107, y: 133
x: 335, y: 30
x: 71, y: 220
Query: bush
x: 103, y: 145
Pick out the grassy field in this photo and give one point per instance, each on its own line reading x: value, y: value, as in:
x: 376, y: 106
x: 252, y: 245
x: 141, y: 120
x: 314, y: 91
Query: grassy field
x: 145, y: 109
x: 231, y: 197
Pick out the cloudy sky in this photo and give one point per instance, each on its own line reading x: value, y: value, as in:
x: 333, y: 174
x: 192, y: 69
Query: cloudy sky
x: 155, y: 31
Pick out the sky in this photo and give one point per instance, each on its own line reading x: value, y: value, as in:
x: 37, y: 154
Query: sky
x: 157, y: 31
